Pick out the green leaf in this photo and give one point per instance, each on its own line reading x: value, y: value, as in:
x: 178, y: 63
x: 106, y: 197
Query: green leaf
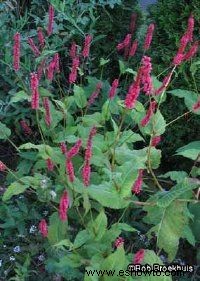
x: 169, y: 225
x: 98, y: 227
x: 20, y: 96
x: 20, y: 186
x: 81, y: 238
x: 187, y: 234
x: 5, y: 132
x: 190, y: 97
x: 79, y: 96
x: 191, y: 150
x: 107, y: 195
x: 57, y: 229
x: 122, y: 67
x: 103, y: 61
x: 124, y: 227
x: 115, y: 261
x: 177, y: 176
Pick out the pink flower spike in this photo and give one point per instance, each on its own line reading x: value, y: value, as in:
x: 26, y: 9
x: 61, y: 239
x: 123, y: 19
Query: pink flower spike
x: 41, y: 38
x: 63, y: 206
x: 27, y: 130
x: 119, y: 242
x: 86, y: 174
x: 120, y: 46
x: 149, y: 35
x: 86, y: 47
x: 133, y: 23
x: 70, y: 170
x: 2, y: 166
x: 139, y: 256
x: 190, y: 28
x: 40, y: 69
x: 46, y: 105
x: 155, y: 141
x: 35, y: 92
x: 63, y: 148
x: 196, y: 106
x: 75, y: 149
x: 178, y: 59
x: 133, y: 49
x: 72, y: 52
x: 74, y: 70
x: 192, y: 51
x: 16, y: 52
x: 95, y: 94
x: 146, y: 75
x: 164, y: 85
x: 34, y: 48
x: 150, y: 112
x: 136, y: 188
x: 50, y: 165
x: 43, y: 228
x: 113, y: 89
x: 132, y: 95
x: 51, y: 19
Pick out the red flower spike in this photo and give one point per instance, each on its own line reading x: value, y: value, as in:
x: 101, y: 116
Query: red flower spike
x: 34, y: 90
x: 155, y: 141
x: 95, y: 94
x: 133, y: 23
x: 139, y: 256
x: 164, y: 85
x: 46, y: 105
x: 133, y: 48
x: 50, y: 165
x: 113, y: 89
x: 192, y: 51
x: 63, y: 148
x: 136, y: 188
x: 146, y: 75
x: 16, y: 52
x: 119, y: 242
x: 190, y: 28
x: 27, y: 130
x: 51, y: 19
x: 63, y: 206
x: 41, y: 38
x: 126, y: 42
x: 75, y: 149
x: 132, y: 95
x: 56, y: 60
x: 149, y: 35
x: 2, y: 167
x: 34, y: 48
x: 150, y: 112
x: 196, y: 106
x: 74, y: 70
x: 86, y: 47
x: 86, y: 174
x: 70, y: 170
x: 43, y: 228
x: 40, y: 69
x: 73, y: 49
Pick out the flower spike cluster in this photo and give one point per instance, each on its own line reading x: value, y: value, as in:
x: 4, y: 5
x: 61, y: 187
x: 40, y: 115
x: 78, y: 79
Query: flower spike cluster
x: 146, y: 80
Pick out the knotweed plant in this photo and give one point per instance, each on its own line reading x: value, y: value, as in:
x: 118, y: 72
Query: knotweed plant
x: 91, y: 152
